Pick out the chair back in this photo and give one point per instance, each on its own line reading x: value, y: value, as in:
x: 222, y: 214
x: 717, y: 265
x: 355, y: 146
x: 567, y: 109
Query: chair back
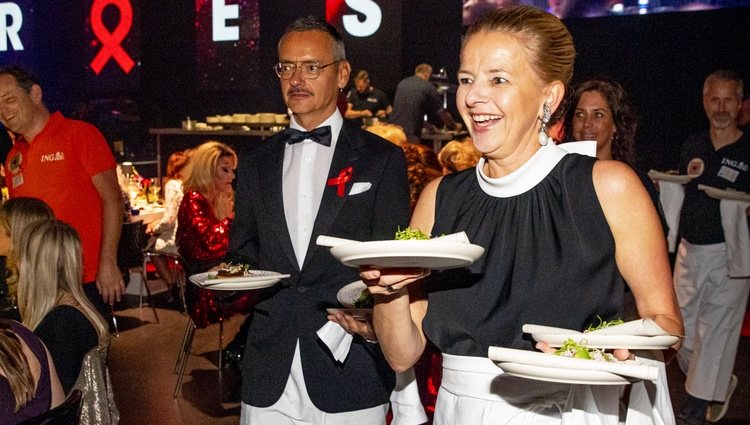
x: 66, y: 413
x: 133, y: 241
x: 98, y: 404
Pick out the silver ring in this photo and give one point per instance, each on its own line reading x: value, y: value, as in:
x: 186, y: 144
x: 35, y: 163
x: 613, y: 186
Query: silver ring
x: 390, y: 288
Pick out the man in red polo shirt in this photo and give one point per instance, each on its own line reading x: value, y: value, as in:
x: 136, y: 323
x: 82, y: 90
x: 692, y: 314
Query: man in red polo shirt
x: 67, y: 164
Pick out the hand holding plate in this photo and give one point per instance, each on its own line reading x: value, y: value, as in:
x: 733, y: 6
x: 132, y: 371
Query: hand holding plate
x: 388, y: 281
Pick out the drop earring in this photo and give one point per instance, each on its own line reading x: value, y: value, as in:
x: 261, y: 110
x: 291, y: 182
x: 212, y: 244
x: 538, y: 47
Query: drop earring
x: 546, y: 115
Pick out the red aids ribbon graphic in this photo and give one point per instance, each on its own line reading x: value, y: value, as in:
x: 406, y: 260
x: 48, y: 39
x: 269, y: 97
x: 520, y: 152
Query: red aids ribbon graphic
x: 111, y: 47
x: 340, y: 182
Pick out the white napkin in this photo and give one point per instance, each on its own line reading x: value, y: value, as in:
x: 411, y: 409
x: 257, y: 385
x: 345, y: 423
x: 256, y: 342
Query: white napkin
x: 405, y: 402
x: 336, y: 339
x: 737, y: 236
x: 459, y: 237
x: 671, y: 196
x: 650, y: 403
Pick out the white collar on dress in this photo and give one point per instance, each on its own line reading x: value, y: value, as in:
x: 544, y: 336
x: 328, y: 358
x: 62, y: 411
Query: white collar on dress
x: 524, y: 178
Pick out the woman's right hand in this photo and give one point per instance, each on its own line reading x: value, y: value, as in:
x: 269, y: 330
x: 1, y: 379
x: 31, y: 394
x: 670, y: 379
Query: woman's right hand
x: 390, y: 280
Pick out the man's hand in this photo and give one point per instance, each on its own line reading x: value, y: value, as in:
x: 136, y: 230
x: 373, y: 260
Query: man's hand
x: 109, y: 283
x: 351, y: 325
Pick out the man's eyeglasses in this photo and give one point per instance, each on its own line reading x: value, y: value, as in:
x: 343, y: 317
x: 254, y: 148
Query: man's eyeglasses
x: 310, y: 70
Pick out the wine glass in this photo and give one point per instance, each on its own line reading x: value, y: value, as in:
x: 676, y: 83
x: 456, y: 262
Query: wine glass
x: 154, y: 188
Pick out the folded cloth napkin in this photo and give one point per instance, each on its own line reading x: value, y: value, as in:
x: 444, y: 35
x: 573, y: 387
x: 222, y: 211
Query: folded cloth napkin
x: 405, y: 401
x: 649, y: 402
x: 459, y: 237
x: 336, y: 339
x: 737, y: 236
x: 671, y: 196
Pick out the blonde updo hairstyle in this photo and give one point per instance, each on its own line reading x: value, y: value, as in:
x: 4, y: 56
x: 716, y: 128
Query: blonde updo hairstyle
x: 548, y: 43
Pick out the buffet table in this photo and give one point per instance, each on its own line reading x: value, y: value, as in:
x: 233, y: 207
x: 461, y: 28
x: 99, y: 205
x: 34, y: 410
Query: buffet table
x: 261, y: 132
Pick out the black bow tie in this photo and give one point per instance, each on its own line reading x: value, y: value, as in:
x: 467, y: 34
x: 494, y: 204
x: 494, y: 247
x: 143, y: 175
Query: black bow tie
x: 320, y: 135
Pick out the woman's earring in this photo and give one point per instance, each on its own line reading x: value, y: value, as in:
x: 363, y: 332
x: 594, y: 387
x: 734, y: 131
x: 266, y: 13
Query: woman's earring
x: 546, y: 115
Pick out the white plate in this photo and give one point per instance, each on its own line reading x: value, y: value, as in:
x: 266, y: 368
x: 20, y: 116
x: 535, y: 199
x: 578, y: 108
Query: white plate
x: 258, y: 279
x: 357, y: 313
x: 630, y: 368
x: 349, y: 293
x: 676, y: 178
x: 430, y: 254
x: 734, y: 195
x: 565, y: 376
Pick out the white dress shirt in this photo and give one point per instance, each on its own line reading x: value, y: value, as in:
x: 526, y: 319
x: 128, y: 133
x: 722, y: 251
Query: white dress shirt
x: 303, y: 179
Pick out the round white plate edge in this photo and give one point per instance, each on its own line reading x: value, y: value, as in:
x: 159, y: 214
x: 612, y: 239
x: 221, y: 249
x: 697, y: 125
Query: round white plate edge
x: 607, y: 342
x: 551, y: 374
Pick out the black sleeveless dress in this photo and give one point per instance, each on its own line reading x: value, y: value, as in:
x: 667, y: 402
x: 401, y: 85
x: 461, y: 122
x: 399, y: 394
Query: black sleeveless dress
x: 549, y: 255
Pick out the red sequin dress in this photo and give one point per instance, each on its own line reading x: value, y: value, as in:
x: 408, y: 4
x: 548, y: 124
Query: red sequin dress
x: 202, y: 241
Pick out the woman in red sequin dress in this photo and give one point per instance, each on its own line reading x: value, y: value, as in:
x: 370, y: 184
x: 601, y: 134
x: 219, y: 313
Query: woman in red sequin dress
x: 204, y: 218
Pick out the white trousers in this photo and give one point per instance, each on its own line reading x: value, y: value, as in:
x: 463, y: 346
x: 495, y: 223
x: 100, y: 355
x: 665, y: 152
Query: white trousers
x: 295, y: 407
x: 713, y: 308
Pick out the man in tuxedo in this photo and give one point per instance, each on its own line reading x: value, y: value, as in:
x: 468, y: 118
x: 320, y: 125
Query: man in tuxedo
x: 320, y: 177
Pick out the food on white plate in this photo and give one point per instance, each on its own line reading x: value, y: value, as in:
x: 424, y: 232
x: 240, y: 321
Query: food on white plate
x: 580, y: 351
x: 604, y: 324
x: 411, y: 234
x: 233, y: 270
x: 364, y: 300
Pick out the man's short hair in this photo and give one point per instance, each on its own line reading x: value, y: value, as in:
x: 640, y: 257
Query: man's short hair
x: 313, y: 23
x: 423, y: 68
x: 724, y: 75
x: 24, y: 78
x: 361, y: 75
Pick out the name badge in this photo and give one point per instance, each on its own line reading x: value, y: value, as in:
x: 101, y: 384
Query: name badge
x: 728, y: 173
x: 17, y: 180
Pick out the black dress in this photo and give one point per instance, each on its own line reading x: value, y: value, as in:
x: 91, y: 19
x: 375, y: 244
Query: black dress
x: 549, y: 255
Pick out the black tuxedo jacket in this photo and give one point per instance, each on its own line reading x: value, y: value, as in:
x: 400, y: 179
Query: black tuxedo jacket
x: 295, y: 308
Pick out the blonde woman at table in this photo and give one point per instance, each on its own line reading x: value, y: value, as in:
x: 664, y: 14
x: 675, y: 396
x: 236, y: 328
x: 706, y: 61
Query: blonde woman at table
x: 51, y: 298
x: 165, y: 230
x: 204, y: 218
x: 562, y: 234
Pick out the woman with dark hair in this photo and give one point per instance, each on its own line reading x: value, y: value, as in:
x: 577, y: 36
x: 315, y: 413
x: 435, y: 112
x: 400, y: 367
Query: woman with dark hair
x: 600, y: 110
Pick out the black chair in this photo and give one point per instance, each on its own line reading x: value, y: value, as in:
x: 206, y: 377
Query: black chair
x: 67, y: 413
x: 130, y: 255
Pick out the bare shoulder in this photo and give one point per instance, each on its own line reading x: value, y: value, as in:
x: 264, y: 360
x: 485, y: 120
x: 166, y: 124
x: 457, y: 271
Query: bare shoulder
x: 614, y: 179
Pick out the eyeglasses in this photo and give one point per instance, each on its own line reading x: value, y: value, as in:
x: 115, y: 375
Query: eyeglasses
x: 310, y: 70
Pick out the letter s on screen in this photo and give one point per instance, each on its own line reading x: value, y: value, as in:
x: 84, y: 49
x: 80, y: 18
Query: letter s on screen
x: 371, y: 24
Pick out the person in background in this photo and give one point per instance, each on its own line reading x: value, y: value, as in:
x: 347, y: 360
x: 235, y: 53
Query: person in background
x: 366, y: 101
x: 529, y: 204
x: 600, y: 110
x: 389, y: 132
x: 205, y: 218
x: 458, y: 156
x: 415, y: 98
x: 51, y: 301
x: 743, y: 118
x: 419, y: 169
x: 15, y: 215
x: 711, y: 302
x: 165, y: 229
x: 67, y: 164
x: 29, y: 385
x: 319, y: 177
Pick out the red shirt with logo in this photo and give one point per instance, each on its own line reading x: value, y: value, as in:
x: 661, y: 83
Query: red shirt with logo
x: 57, y: 167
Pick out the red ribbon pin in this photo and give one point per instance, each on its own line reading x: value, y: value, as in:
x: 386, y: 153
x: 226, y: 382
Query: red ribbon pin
x: 340, y: 182
x: 111, y: 47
